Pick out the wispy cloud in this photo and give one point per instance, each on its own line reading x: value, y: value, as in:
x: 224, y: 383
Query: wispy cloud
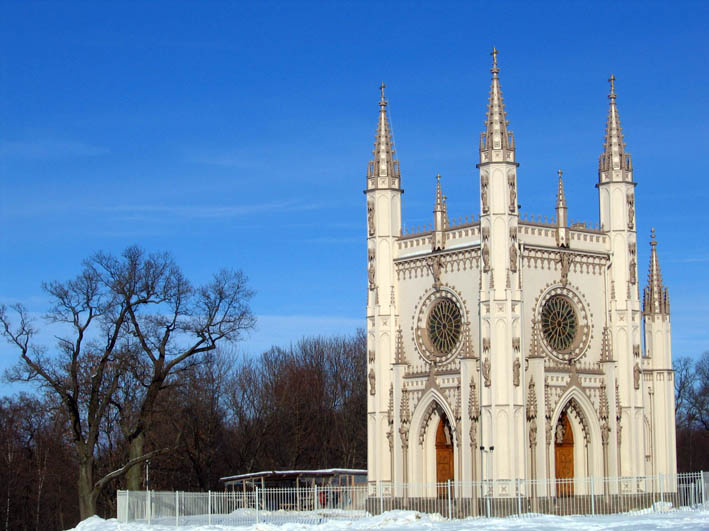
x: 233, y: 158
x: 690, y: 259
x: 48, y: 149
x: 142, y: 211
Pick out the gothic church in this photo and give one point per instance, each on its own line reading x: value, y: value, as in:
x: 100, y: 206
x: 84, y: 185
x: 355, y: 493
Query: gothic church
x: 507, y: 348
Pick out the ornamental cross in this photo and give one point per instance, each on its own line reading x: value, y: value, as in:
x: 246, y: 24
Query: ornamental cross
x: 494, y: 56
x: 612, y: 82
x: 382, y: 87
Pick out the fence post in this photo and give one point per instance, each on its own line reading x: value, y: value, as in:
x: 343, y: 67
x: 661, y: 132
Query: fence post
x: 450, y: 509
x: 177, y: 508
x: 519, y: 497
x: 662, y: 491
x: 704, y: 493
x: 147, y: 506
x: 257, y: 505
x: 381, y: 497
x: 315, y: 497
x: 209, y: 507
x: 593, y: 497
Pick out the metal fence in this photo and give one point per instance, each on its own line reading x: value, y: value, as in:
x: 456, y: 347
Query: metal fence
x: 454, y: 499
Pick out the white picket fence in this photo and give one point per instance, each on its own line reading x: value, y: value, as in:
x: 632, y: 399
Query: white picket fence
x: 454, y: 499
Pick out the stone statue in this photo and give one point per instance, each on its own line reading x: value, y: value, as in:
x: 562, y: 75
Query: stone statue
x: 631, y: 211
x: 486, y: 258
x: 533, y: 433
x: 513, y: 193
x: 371, y: 269
x: 486, y: 372
x: 513, y: 258
x: 559, y: 436
x: 636, y: 376
x: 370, y: 218
x: 515, y: 372
x: 605, y: 431
x: 633, y: 266
x: 483, y: 192
x: 565, y: 260
x: 372, y: 382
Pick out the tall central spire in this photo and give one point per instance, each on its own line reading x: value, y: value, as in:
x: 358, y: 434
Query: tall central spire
x: 383, y: 170
x: 656, y: 299
x: 497, y: 142
x: 614, y: 164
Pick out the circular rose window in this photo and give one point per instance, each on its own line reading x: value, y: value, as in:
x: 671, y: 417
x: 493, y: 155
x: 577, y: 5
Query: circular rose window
x: 444, y: 326
x: 559, y: 323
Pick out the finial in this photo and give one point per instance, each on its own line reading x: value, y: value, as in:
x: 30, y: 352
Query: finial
x: 652, y: 236
x: 611, y: 80
x: 560, y: 173
x: 381, y: 88
x: 494, y: 53
x: 438, y: 177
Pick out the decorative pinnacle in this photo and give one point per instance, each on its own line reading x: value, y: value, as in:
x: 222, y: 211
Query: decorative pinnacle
x: 440, y: 198
x: 496, y: 136
x: 384, y: 164
x: 614, y: 160
x: 656, y: 299
x: 560, y: 197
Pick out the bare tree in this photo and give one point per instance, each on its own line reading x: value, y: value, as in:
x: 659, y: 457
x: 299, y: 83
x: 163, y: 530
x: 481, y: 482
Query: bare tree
x: 134, y: 312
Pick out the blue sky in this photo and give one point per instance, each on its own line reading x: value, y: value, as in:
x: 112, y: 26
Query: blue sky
x: 238, y: 133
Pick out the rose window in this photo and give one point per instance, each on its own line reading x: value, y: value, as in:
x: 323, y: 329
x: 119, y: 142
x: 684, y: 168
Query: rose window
x: 444, y: 326
x: 559, y: 323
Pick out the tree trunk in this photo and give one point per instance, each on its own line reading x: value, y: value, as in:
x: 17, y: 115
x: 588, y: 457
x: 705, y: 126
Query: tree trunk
x: 134, y: 475
x: 87, y: 497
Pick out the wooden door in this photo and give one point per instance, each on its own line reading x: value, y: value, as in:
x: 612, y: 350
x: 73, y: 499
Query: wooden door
x: 444, y: 452
x: 564, y: 457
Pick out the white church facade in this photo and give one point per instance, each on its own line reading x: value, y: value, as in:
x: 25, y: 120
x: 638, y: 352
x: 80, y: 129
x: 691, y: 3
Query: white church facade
x: 507, y: 348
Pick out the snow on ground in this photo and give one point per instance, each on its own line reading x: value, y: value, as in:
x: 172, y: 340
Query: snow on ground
x: 411, y: 520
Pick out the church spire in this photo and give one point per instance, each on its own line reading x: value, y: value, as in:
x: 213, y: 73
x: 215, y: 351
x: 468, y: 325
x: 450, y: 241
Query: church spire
x: 656, y: 299
x: 562, y: 222
x: 497, y: 142
x: 614, y: 164
x: 383, y: 170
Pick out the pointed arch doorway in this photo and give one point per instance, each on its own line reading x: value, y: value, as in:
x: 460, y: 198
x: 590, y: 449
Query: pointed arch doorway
x: 564, y: 456
x: 444, y: 453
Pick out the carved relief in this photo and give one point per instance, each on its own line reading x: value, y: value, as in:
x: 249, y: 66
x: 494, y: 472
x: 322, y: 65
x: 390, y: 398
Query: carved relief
x: 513, y: 234
x: 516, y: 344
x: 485, y: 233
x: 513, y: 193
x: 515, y: 372
x: 370, y: 218
x: 371, y: 355
x: 486, y: 372
x: 372, y: 382
x: 636, y: 351
x: 631, y: 210
x: 484, y: 182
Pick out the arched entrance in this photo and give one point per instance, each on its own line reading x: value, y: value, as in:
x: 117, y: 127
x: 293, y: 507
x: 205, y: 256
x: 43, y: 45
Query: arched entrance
x: 444, y: 451
x: 564, y: 456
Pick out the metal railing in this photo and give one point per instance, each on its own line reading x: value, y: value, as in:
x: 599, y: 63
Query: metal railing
x: 453, y: 499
